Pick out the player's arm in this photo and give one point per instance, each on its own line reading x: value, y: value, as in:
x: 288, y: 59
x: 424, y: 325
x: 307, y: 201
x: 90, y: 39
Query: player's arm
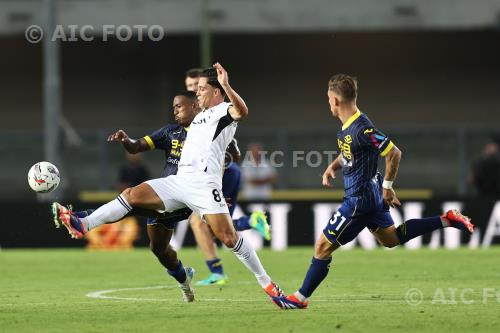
x: 330, y: 171
x: 392, y: 159
x: 132, y: 146
x: 239, y: 109
x: 234, y: 151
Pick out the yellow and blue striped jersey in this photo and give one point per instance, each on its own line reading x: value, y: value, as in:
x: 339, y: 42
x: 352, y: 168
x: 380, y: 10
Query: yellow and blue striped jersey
x: 170, y: 139
x: 360, y: 144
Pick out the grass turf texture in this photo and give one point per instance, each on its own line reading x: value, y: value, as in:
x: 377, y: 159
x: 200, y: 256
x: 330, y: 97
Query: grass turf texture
x: 45, y: 291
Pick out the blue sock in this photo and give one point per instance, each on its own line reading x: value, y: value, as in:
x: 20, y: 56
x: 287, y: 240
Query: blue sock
x: 178, y: 273
x: 215, y: 266
x: 316, y: 273
x: 243, y: 223
x: 417, y: 227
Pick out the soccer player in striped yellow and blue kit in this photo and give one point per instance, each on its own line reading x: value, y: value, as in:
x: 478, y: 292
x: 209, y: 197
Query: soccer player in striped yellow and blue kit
x: 367, y: 195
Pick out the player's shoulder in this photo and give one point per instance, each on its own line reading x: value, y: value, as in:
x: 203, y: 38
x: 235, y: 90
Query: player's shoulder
x: 174, y: 129
x: 364, y: 120
x: 220, y: 109
x: 363, y: 124
x: 168, y: 130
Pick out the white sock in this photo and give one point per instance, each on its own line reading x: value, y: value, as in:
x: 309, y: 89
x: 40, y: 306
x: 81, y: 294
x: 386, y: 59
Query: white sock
x: 249, y: 258
x: 111, y: 212
x: 299, y: 296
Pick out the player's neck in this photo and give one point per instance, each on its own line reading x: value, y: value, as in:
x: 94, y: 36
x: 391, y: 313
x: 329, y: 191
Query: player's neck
x: 214, y: 102
x: 346, y: 113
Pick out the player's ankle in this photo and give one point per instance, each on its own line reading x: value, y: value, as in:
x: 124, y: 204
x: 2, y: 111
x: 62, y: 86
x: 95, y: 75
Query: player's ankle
x: 300, y: 297
x: 446, y: 223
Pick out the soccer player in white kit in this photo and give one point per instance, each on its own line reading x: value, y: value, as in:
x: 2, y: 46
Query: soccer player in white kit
x: 198, y: 182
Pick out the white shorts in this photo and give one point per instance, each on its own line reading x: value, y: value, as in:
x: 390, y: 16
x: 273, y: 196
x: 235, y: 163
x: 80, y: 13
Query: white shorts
x: 198, y: 191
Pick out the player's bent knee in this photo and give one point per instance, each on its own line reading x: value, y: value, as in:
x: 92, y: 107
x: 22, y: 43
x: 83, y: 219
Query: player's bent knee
x: 390, y: 244
x: 127, y: 194
x: 229, y: 239
x: 132, y: 195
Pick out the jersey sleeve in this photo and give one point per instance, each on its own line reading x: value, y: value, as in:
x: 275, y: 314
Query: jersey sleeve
x: 158, y: 139
x: 222, y: 111
x: 375, y: 140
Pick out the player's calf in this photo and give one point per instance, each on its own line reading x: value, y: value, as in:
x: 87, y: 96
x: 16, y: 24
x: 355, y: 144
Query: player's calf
x: 417, y: 227
x: 387, y: 237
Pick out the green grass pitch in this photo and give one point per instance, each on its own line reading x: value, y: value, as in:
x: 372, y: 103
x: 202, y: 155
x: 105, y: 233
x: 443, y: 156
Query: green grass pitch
x: 366, y: 291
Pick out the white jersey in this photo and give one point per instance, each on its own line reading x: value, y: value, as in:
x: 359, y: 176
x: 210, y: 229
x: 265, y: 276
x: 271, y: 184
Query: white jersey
x: 207, y: 139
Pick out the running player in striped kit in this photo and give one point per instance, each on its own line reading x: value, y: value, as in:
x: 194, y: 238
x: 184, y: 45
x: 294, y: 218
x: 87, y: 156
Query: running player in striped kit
x: 368, y: 196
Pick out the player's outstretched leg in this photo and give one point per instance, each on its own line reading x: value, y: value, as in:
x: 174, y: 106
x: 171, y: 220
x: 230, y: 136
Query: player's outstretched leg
x: 77, y: 226
x: 317, y: 272
x: 141, y: 196
x: 223, y: 229
x: 417, y: 227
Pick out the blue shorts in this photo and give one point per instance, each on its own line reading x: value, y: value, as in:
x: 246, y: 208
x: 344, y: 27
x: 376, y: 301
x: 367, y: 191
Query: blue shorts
x: 231, y: 182
x: 351, y: 218
x: 171, y: 219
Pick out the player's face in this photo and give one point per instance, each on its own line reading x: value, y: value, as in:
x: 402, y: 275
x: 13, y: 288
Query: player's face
x: 334, y: 101
x: 205, y: 93
x: 192, y: 83
x: 184, y: 110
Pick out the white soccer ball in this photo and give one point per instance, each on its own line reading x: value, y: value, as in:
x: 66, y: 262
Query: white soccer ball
x: 43, y: 177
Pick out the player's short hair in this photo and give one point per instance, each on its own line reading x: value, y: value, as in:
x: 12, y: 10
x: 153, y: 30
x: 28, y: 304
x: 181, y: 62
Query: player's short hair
x: 344, y: 85
x: 211, y: 75
x: 194, y: 72
x: 189, y: 94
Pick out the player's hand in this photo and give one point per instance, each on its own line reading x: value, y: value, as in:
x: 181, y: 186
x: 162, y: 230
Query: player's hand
x: 222, y: 76
x: 390, y: 198
x: 120, y: 135
x: 326, y: 176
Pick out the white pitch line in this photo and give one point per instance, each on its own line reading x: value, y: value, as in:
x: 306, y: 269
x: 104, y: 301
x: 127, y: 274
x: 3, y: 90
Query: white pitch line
x: 103, y: 294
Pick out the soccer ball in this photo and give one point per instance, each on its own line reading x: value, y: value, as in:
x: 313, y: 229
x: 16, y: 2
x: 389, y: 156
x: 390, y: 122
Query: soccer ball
x: 43, y: 177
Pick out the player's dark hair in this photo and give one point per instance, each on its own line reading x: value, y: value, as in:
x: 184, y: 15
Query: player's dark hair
x: 211, y: 75
x: 194, y: 72
x: 189, y: 94
x: 344, y: 85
